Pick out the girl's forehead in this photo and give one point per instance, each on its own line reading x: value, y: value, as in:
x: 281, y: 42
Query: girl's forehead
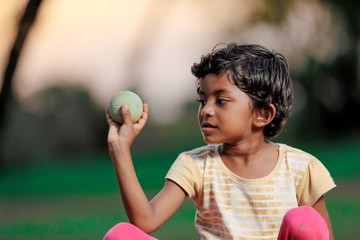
x: 215, y: 81
x: 216, y: 84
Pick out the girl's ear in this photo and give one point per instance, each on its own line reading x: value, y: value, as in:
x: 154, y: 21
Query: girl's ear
x: 264, y: 116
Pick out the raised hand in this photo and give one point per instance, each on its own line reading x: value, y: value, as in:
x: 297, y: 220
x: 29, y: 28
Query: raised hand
x: 124, y: 135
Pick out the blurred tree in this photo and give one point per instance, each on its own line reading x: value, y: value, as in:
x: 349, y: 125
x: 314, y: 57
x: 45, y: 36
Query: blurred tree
x: 67, y: 122
x: 334, y: 87
x: 6, y: 93
x: 70, y: 123
x: 275, y: 11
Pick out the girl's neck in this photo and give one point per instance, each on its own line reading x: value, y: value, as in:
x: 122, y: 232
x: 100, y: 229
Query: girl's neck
x: 245, y: 151
x: 250, y: 161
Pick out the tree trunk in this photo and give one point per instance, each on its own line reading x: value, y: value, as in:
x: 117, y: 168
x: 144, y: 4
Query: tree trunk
x: 6, y: 94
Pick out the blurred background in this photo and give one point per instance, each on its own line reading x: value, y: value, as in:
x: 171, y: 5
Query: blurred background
x: 62, y: 60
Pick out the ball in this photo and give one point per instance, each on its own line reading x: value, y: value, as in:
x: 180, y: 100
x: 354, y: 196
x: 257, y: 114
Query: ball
x: 125, y: 97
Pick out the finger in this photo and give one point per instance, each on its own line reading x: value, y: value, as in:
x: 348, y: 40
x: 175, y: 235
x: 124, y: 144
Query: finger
x: 146, y: 109
x: 108, y: 118
x: 145, y: 114
x: 113, y: 131
x: 107, y: 110
x: 142, y: 121
x: 125, y: 111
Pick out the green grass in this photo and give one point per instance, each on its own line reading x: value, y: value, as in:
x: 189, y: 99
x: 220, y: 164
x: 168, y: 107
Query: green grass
x: 78, y: 200
x: 344, y: 210
x: 68, y: 199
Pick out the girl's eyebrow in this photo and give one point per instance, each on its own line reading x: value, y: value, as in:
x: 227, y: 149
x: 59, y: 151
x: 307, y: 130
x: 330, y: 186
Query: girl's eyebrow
x: 216, y: 92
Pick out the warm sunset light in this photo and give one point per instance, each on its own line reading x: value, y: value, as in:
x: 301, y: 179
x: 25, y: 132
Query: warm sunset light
x: 149, y: 45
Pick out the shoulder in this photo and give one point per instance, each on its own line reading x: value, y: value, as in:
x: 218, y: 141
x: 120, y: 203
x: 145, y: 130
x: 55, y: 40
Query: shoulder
x: 311, y: 177
x: 202, y: 153
x: 297, y: 156
x: 302, y: 162
x: 198, y: 157
x: 187, y: 171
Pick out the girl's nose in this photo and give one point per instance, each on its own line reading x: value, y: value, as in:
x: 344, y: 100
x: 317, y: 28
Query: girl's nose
x: 207, y: 110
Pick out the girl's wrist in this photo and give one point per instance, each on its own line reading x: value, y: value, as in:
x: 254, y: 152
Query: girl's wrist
x: 120, y: 154
x: 119, y: 147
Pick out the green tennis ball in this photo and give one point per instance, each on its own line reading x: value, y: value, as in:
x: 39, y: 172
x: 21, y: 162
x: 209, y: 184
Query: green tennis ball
x: 132, y: 100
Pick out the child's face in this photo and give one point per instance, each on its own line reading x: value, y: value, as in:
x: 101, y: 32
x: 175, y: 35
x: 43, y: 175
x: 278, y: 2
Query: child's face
x: 225, y: 112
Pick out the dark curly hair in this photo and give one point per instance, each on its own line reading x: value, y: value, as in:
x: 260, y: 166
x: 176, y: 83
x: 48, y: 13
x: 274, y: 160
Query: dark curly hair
x: 262, y: 74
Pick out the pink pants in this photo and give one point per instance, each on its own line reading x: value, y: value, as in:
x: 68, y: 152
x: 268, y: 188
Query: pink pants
x: 301, y: 223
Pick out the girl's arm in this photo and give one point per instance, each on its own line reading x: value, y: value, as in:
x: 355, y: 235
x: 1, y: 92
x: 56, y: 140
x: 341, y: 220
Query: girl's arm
x: 148, y: 216
x: 320, y: 207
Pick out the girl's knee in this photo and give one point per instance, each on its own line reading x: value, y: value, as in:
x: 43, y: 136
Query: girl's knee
x: 303, y: 223
x: 126, y: 231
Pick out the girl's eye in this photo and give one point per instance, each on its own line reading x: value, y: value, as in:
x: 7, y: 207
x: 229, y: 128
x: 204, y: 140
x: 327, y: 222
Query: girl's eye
x: 201, y: 101
x: 220, y: 101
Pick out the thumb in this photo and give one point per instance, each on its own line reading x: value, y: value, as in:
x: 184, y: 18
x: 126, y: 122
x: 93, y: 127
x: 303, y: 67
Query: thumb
x: 125, y: 111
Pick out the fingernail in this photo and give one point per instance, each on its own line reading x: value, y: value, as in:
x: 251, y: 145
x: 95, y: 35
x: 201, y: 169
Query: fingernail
x: 125, y: 107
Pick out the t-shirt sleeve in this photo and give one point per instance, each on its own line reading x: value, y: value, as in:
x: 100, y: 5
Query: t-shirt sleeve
x: 185, y: 173
x: 315, y: 183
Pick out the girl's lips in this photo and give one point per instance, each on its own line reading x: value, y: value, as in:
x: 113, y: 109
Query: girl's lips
x: 207, y: 128
x: 207, y: 125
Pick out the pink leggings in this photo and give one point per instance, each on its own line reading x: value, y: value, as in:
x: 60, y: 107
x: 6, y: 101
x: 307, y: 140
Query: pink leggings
x: 301, y: 223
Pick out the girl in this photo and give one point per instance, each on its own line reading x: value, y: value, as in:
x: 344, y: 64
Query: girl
x: 241, y: 183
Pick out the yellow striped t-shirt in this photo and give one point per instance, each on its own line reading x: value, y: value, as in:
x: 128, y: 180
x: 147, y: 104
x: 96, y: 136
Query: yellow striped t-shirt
x: 231, y: 207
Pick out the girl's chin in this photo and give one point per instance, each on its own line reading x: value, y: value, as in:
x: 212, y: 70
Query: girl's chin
x: 208, y: 140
